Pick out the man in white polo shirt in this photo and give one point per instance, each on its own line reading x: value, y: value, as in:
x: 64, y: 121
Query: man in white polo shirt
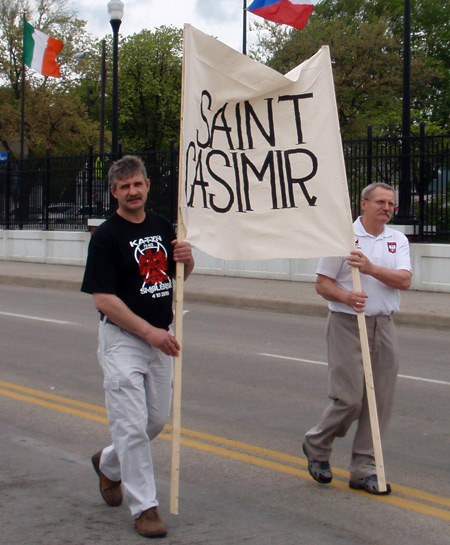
x: 382, y: 257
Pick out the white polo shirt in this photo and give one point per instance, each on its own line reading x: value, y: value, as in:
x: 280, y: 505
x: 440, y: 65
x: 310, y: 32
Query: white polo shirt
x: 389, y: 250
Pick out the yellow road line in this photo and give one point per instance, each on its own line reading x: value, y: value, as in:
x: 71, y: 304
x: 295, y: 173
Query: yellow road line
x: 55, y: 406
x: 254, y: 455
x: 296, y: 472
x: 46, y: 395
x: 342, y: 473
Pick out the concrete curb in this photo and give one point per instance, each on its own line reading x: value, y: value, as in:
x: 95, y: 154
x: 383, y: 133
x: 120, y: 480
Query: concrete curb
x: 419, y: 320
x: 256, y: 303
x: 423, y: 321
x: 52, y: 283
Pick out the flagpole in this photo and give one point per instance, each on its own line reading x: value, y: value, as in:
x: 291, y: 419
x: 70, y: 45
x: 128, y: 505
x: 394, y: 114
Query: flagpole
x: 22, y: 106
x: 22, y: 115
x: 244, y: 28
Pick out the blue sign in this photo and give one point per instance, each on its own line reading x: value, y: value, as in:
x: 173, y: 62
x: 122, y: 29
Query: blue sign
x: 3, y: 156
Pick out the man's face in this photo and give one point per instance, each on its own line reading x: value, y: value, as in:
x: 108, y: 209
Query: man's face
x: 379, y: 206
x: 131, y: 193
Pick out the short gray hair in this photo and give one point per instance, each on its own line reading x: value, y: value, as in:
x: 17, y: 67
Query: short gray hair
x: 124, y: 168
x: 366, y: 192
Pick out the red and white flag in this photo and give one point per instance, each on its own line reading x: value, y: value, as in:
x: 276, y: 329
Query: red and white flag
x: 287, y: 12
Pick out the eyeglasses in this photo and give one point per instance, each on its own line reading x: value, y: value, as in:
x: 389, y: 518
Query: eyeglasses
x: 381, y: 203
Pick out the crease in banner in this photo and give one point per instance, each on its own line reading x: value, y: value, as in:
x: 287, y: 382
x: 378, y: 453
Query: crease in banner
x: 262, y: 171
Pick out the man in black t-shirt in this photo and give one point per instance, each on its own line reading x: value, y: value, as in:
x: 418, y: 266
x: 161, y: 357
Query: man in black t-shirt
x: 129, y: 270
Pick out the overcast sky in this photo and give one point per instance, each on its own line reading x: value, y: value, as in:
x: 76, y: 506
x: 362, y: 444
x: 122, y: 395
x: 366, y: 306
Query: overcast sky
x: 219, y: 18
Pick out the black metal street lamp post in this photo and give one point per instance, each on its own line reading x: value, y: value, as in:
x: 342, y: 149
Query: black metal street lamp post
x: 102, y: 102
x: 404, y: 215
x: 115, y: 11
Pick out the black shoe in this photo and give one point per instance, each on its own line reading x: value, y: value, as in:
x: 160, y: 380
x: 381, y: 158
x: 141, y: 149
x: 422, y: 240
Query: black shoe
x: 319, y: 471
x: 369, y: 484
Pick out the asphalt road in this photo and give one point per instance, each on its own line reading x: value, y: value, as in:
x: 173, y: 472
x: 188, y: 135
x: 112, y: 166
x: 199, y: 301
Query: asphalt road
x: 253, y: 382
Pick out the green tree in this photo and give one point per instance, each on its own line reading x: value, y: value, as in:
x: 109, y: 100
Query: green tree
x: 366, y: 43
x: 150, y: 88
x: 88, y: 87
x: 54, y: 116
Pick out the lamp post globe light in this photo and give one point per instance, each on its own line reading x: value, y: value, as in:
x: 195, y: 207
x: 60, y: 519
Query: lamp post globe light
x: 115, y: 11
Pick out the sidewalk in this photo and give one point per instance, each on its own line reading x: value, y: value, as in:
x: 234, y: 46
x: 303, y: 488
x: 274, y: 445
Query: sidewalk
x: 418, y: 308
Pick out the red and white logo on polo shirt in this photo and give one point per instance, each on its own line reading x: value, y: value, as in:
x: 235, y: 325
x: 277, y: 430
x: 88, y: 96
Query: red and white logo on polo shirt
x: 392, y: 247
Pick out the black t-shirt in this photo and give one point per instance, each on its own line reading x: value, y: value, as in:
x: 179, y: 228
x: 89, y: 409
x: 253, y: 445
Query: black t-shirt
x: 135, y: 262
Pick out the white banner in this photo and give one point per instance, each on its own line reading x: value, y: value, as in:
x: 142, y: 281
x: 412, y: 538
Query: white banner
x: 262, y: 173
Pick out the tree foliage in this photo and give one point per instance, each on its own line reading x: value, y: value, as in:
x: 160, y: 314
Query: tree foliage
x: 150, y: 88
x: 365, y: 39
x: 64, y: 114
x: 55, y: 18
x: 55, y: 117
x: 366, y: 45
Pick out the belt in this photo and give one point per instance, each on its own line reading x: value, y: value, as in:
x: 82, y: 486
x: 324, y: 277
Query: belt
x: 105, y: 319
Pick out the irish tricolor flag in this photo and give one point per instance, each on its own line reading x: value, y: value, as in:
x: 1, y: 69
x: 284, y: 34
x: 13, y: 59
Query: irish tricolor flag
x: 287, y: 12
x: 40, y: 50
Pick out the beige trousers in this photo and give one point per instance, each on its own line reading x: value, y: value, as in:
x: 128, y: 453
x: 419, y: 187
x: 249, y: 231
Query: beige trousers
x: 346, y: 388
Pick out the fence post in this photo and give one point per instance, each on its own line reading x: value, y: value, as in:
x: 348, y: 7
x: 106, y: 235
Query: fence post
x: 89, y: 180
x: 47, y: 185
x: 421, y: 179
x: 8, y: 188
x: 369, y: 154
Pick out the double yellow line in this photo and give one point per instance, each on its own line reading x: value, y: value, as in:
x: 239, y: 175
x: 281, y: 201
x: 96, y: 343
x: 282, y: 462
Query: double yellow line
x: 403, y: 496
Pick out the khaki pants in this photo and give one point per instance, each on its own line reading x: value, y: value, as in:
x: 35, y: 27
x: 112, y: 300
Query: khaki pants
x: 346, y: 388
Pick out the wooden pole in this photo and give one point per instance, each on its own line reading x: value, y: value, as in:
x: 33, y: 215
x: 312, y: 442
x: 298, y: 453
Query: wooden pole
x: 176, y: 402
x: 179, y: 302
x: 370, y: 389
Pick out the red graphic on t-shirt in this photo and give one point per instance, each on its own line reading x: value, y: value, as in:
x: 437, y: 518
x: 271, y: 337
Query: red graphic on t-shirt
x: 153, y: 266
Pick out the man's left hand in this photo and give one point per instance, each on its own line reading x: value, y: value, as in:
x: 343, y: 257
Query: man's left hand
x: 182, y: 251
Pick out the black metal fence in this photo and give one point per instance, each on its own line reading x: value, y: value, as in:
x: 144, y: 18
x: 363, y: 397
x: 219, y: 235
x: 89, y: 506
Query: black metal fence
x: 55, y: 193
x: 428, y: 193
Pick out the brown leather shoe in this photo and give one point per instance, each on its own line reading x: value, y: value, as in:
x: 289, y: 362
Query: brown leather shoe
x: 149, y: 524
x: 111, y: 491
